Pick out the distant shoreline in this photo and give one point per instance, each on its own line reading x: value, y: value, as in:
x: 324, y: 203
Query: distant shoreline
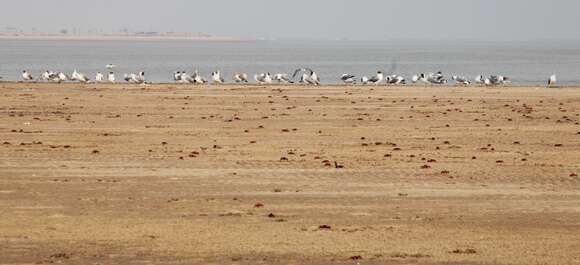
x: 121, y: 38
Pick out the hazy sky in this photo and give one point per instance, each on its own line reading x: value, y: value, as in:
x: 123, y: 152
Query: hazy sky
x: 326, y: 19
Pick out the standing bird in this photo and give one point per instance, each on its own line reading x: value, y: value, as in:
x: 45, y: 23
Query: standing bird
x: 348, y: 79
x: 63, y: 77
x: 76, y: 76
x: 99, y: 78
x: 111, y: 77
x: 26, y: 76
x: 364, y: 80
x: 241, y: 78
x: 552, y: 81
x: 283, y: 78
x: 479, y: 80
x: 263, y: 78
x: 197, y: 78
x: 308, y: 77
x: 460, y: 80
x: 377, y: 79
x: 177, y: 77
x: 138, y: 78
x: 185, y: 78
x: 217, y: 78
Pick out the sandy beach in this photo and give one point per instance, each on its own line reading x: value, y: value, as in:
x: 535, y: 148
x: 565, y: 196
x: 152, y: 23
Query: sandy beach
x: 175, y: 174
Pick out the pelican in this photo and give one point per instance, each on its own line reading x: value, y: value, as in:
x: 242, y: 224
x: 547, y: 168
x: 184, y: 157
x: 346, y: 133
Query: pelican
x: 348, y: 79
x: 460, y: 80
x: 26, y: 76
x: 111, y: 77
x: 241, y: 78
x: 282, y: 78
x: 216, y: 77
x: 552, y: 81
x: 99, y: 78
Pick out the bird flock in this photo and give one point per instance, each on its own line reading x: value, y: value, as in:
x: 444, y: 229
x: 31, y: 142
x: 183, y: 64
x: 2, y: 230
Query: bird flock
x: 305, y: 76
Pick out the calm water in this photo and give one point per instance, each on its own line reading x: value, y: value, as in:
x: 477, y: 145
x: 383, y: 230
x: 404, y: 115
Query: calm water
x: 524, y: 62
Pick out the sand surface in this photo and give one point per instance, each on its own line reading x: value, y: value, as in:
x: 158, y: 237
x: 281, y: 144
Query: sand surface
x: 170, y: 174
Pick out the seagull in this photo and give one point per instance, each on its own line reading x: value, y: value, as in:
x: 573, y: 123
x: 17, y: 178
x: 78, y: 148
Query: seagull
x: 433, y: 79
x: 111, y: 77
x: 197, y: 78
x: 282, y: 78
x: 496, y: 80
x: 110, y: 66
x: 416, y: 78
x: 310, y: 77
x: 263, y: 78
x: 364, y: 80
x: 480, y: 80
x: 127, y: 78
x: 76, y: 76
x: 63, y: 77
x: 348, y: 79
x: 216, y: 77
x: 26, y: 76
x: 99, y: 78
x: 177, y: 77
x: 395, y: 80
x: 460, y: 80
x: 184, y: 78
x: 552, y: 81
x: 377, y: 79
x: 241, y: 78
x: 138, y: 78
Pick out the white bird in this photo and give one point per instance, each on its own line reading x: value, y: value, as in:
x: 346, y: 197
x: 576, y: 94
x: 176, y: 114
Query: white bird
x: 282, y: 78
x: 76, y: 76
x: 416, y: 78
x: 197, y: 78
x: 308, y: 77
x: 460, y: 80
x: 177, y: 77
x: 263, y: 78
x: 184, y: 78
x: 241, y: 78
x: 99, y: 78
x: 216, y: 77
x: 138, y: 78
x: 26, y: 76
x: 395, y: 80
x: 377, y: 79
x: 110, y: 66
x: 552, y: 81
x: 111, y: 77
x: 63, y: 77
x: 364, y: 80
x: 348, y: 79
x: 480, y: 80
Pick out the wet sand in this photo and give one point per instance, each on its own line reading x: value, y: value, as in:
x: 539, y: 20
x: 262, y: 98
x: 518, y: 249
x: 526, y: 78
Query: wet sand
x: 170, y: 174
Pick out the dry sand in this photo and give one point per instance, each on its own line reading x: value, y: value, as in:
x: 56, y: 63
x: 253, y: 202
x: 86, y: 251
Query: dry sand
x: 170, y: 174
